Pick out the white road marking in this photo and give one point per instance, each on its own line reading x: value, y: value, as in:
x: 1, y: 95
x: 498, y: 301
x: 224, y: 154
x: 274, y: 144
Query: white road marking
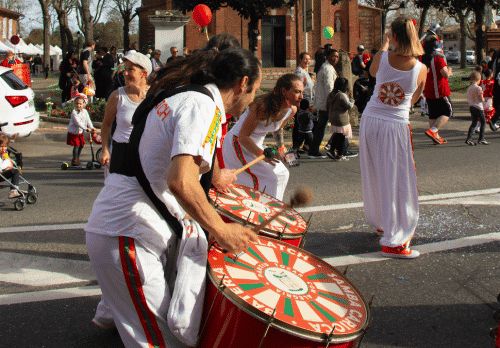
x: 334, y: 261
x: 48, y: 295
x: 42, y: 271
x: 445, y: 198
x: 42, y: 228
x: 423, y: 249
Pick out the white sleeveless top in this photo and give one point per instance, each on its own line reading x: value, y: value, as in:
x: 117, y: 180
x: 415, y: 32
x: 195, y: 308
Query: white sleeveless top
x: 124, y: 111
x: 391, y: 99
x: 261, y: 130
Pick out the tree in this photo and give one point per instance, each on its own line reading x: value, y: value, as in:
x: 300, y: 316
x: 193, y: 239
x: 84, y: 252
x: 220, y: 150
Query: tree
x: 461, y: 10
x: 126, y: 9
x: 86, y: 20
x: 254, y: 10
x: 45, y: 4
x: 35, y: 37
x: 108, y: 34
x: 63, y: 9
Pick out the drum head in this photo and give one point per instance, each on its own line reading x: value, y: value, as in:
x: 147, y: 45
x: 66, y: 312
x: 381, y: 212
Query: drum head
x: 309, y: 295
x: 248, y: 206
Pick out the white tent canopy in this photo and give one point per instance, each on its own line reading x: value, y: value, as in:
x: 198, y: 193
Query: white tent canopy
x: 4, y: 47
x: 35, y: 49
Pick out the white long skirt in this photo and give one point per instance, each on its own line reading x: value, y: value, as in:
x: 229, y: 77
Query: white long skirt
x: 389, y: 179
x: 262, y: 176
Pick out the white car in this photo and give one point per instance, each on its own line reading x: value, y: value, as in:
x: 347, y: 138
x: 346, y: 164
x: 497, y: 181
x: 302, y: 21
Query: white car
x: 17, y: 105
x: 471, y: 57
x: 453, y: 56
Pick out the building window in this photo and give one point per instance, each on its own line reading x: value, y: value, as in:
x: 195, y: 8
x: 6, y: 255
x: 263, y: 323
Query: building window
x: 4, y: 28
x: 9, y: 35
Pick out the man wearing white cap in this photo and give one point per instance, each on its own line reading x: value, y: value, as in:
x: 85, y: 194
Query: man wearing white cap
x: 121, y: 106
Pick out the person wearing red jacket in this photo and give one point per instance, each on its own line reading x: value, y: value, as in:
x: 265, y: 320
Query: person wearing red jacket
x: 10, y: 60
x: 437, y: 89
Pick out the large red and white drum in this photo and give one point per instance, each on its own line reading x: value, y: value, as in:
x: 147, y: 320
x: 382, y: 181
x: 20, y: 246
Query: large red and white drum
x: 277, y: 295
x: 250, y: 207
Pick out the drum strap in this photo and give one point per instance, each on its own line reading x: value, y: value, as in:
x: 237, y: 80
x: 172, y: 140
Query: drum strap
x: 125, y: 158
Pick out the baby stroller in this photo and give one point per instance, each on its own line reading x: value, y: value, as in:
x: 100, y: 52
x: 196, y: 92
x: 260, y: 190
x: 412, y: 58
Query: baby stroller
x: 28, y: 195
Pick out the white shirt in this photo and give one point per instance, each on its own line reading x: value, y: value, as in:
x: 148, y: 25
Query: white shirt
x: 125, y: 109
x: 186, y: 123
x: 79, y: 122
x: 324, y: 85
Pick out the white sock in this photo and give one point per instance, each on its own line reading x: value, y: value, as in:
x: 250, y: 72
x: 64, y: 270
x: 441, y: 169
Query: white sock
x: 434, y: 129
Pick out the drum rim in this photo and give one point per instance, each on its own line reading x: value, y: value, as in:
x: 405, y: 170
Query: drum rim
x: 266, y: 231
x: 285, y: 327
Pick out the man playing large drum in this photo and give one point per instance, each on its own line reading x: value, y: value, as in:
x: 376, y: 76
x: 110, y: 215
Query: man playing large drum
x: 129, y: 244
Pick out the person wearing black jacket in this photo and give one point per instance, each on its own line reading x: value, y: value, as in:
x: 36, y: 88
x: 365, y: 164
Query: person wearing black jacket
x: 103, y: 73
x: 68, y: 70
x: 319, y: 58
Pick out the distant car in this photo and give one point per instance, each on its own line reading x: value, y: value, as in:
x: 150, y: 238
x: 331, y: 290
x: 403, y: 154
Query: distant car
x: 470, y: 56
x: 453, y: 56
x: 17, y: 105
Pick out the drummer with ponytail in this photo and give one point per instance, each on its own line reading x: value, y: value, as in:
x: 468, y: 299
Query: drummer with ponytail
x: 128, y: 235
x: 244, y: 142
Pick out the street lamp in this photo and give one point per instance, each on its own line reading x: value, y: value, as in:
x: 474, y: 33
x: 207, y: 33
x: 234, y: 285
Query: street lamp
x: 402, y: 9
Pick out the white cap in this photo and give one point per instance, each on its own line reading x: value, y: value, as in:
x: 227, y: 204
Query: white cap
x: 361, y: 47
x: 139, y: 59
x: 81, y: 96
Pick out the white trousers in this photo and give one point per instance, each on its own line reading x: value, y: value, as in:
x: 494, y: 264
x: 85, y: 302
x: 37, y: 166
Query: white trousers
x: 132, y: 280
x: 262, y: 176
x: 389, y: 179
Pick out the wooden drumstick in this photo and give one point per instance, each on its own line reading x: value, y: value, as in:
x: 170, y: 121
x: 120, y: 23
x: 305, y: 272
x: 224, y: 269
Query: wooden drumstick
x: 300, y: 198
x: 267, y: 153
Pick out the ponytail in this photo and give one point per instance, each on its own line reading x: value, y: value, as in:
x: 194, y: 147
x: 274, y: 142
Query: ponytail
x: 408, y: 43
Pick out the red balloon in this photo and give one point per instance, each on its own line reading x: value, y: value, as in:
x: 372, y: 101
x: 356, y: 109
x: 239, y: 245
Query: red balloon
x: 202, y: 15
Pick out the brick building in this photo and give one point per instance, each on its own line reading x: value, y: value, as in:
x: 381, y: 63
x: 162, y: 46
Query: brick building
x: 9, y: 23
x: 281, y: 36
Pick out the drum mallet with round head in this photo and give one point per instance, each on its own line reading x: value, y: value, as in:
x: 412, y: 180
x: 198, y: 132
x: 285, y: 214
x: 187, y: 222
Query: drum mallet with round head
x: 267, y: 153
x: 300, y: 198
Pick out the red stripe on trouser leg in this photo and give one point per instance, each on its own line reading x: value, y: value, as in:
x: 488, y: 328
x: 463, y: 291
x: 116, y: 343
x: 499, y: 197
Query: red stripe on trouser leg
x: 133, y: 280
x: 241, y: 157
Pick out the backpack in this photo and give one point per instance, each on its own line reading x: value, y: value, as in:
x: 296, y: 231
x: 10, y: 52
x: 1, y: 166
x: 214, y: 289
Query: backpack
x: 356, y: 67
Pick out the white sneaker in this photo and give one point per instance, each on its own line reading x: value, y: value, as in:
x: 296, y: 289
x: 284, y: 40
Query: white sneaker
x: 104, y: 323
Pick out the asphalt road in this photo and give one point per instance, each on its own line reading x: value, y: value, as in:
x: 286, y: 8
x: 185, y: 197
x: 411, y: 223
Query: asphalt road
x: 445, y: 298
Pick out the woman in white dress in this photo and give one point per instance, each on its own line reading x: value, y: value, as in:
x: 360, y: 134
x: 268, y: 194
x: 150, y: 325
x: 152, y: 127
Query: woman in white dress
x: 388, y: 171
x: 245, y: 141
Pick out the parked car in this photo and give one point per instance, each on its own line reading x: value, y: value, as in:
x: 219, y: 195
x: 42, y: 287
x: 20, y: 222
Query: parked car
x: 470, y: 56
x: 17, y: 102
x: 453, y: 56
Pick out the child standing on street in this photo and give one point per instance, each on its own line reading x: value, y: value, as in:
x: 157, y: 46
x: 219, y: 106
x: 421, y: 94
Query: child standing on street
x: 305, y: 121
x: 487, y: 85
x: 80, y: 122
x: 338, y: 105
x: 476, y: 99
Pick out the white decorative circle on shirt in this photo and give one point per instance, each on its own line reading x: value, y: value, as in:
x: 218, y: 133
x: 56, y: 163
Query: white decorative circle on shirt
x: 391, y: 94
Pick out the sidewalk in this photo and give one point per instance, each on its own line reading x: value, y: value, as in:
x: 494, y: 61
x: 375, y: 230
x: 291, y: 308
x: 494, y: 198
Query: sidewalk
x: 54, y: 129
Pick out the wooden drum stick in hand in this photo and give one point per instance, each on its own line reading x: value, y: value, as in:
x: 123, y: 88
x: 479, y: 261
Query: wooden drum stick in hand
x: 300, y: 198
x: 267, y: 153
